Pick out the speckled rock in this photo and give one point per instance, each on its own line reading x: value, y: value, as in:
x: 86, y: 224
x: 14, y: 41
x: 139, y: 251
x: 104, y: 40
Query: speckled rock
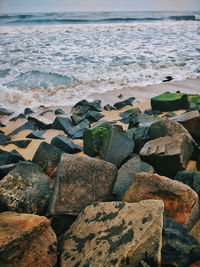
x: 115, y: 234
x: 80, y: 181
x: 181, y: 202
x: 26, y: 240
x: 168, y: 155
x: 26, y: 189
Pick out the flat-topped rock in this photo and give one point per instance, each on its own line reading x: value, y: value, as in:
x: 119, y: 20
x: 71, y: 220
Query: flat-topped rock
x: 168, y: 154
x: 80, y: 181
x: 115, y: 234
x: 65, y: 144
x: 93, y: 105
x: 126, y: 102
x: 63, y: 124
x: 180, y: 201
x: 26, y: 240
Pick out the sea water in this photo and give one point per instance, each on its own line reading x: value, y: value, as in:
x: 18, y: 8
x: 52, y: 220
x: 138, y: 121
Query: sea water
x: 60, y: 58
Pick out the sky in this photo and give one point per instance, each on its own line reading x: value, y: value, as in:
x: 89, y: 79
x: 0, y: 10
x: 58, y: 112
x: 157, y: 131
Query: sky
x: 17, y: 6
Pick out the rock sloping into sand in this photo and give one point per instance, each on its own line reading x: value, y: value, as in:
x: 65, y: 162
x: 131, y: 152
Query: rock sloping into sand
x: 10, y: 157
x: 26, y: 189
x: 180, y: 201
x: 115, y: 234
x: 168, y: 154
x: 26, y: 240
x: 127, y: 102
x: 81, y: 181
x: 65, y: 144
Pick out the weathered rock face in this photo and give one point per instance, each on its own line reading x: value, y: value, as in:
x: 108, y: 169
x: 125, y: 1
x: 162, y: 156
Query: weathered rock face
x: 191, y: 121
x: 115, y: 234
x: 190, y: 178
x: 81, y: 180
x: 76, y: 132
x: 65, y: 144
x: 19, y: 143
x: 180, y: 201
x: 48, y: 157
x: 26, y: 240
x: 124, y: 103
x: 10, y: 157
x: 36, y: 135
x: 25, y: 189
x: 128, y: 114
x: 5, y: 169
x: 63, y: 124
x: 168, y: 154
x: 169, y: 102
x: 195, y: 231
x: 93, y: 105
x: 179, y: 247
x: 3, y: 139
x: 127, y: 173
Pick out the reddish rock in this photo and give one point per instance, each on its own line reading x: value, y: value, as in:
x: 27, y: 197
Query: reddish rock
x: 26, y: 240
x: 180, y: 201
x: 196, y: 264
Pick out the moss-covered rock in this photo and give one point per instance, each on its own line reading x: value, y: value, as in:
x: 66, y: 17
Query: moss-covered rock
x: 194, y: 98
x: 170, y: 101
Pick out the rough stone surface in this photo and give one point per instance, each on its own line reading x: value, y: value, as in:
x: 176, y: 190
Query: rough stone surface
x: 59, y: 111
x: 5, y: 112
x: 195, y: 231
x: 28, y: 111
x: 115, y: 234
x: 77, y: 131
x: 5, y: 169
x: 189, y: 178
x: 10, y: 157
x: 93, y: 105
x: 40, y: 125
x: 29, y: 125
x: 19, y: 143
x: 26, y: 189
x: 191, y: 121
x: 20, y: 116
x: 26, y: 240
x: 65, y: 144
x: 168, y: 155
x: 48, y: 157
x: 81, y: 180
x: 3, y: 139
x: 179, y: 247
x: 180, y: 201
x: 63, y: 124
x: 127, y: 102
x: 37, y: 134
x: 126, y: 175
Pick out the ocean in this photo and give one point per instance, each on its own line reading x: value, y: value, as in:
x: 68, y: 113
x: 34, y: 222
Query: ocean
x: 56, y: 59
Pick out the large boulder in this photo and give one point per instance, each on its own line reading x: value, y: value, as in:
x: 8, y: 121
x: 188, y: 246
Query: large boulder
x: 126, y: 175
x: 115, y: 234
x: 189, y: 178
x: 168, y: 155
x: 26, y: 189
x: 26, y: 240
x: 77, y: 131
x: 180, y: 201
x: 191, y: 121
x: 128, y: 114
x: 63, y: 124
x: 81, y: 180
x: 48, y: 157
x: 170, y: 101
x: 180, y: 249
x: 65, y: 144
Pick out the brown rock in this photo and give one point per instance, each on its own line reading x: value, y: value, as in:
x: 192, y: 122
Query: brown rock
x: 180, y: 201
x: 168, y: 154
x: 81, y: 180
x: 195, y: 231
x: 26, y: 240
x: 115, y: 234
x: 196, y: 264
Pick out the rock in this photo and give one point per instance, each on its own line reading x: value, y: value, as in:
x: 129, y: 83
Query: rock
x: 26, y: 240
x: 40, y: 125
x: 76, y: 119
x: 59, y: 111
x: 127, y: 102
x: 10, y: 157
x: 191, y: 179
x: 128, y: 114
x: 126, y: 175
x: 5, y: 112
x: 115, y: 234
x: 180, y: 248
x: 20, y: 116
x: 29, y: 125
x: 3, y: 139
x: 195, y: 99
x: 93, y: 138
x: 26, y: 189
x: 108, y: 107
x: 169, y: 115
x: 65, y: 144
x: 61, y: 223
x: 2, y: 125
x: 48, y: 157
x: 79, y: 110
x: 116, y: 146
x: 37, y: 134
x: 19, y: 143
x: 46, y: 111
x: 2, y: 132
x: 81, y: 181
x: 120, y: 96
x: 28, y: 111
x: 196, y: 264
x: 170, y: 102
x: 138, y: 119
x: 76, y: 132
x: 63, y: 124
x: 180, y: 201
x: 151, y: 112
x: 195, y: 231
x: 168, y: 155
x: 94, y: 105
x: 5, y: 169
x: 191, y: 121
x: 168, y: 79
x: 93, y: 116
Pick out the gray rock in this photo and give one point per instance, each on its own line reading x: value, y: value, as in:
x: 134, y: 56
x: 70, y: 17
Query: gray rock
x: 20, y: 116
x: 65, y: 144
x: 37, y: 134
x: 127, y: 102
x: 59, y: 111
x: 10, y: 157
x: 93, y: 105
x: 25, y: 189
x: 189, y: 178
x: 81, y: 181
x: 115, y: 234
x: 28, y: 111
x: 5, y: 112
x: 63, y: 124
x: 29, y: 125
x: 19, y: 143
x: 5, y: 169
x: 3, y: 139
x: 77, y: 131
